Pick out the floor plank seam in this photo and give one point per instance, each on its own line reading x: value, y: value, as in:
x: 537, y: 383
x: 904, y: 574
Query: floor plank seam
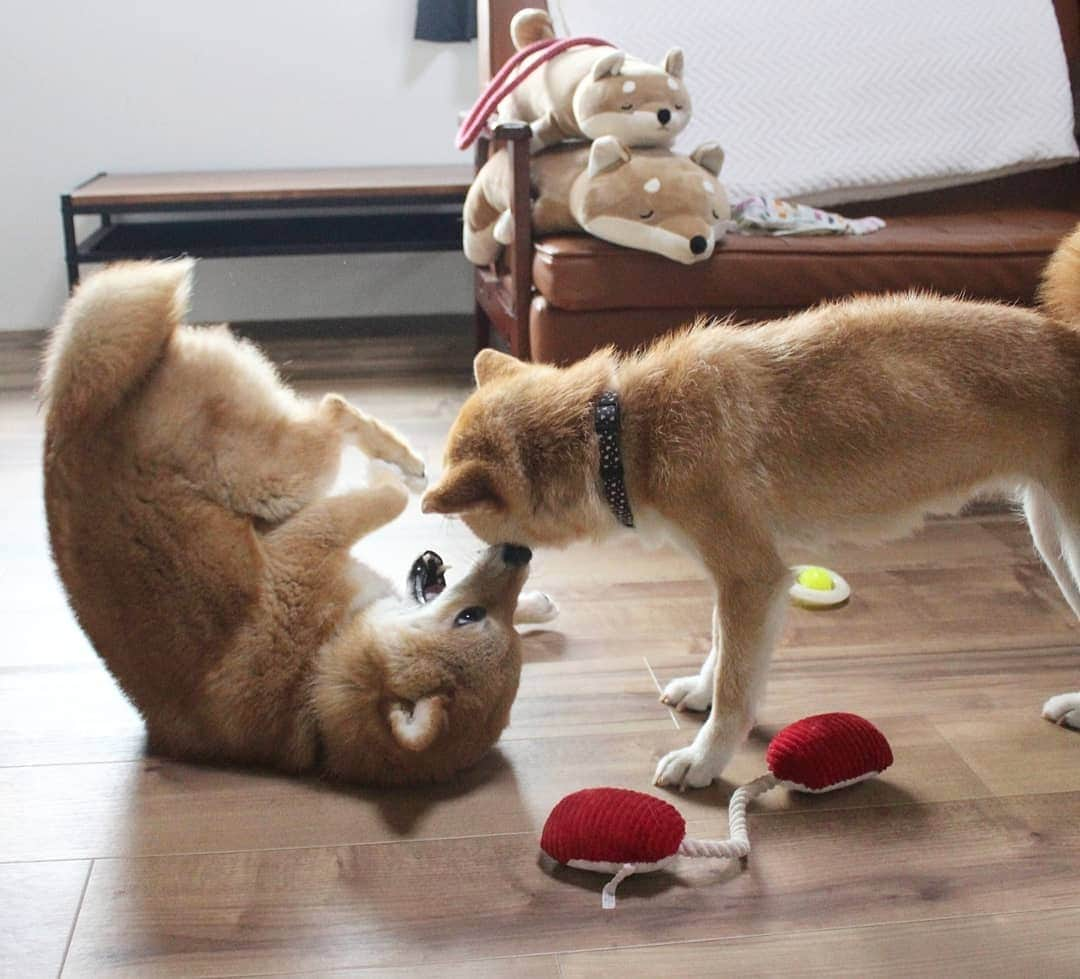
x: 117, y: 857
x: 885, y: 923
x: 839, y: 652
x: 764, y: 814
x: 75, y: 920
x: 374, y: 967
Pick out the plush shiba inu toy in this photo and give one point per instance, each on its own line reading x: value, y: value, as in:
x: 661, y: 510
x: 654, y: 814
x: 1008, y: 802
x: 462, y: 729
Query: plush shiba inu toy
x: 593, y: 91
x: 650, y: 199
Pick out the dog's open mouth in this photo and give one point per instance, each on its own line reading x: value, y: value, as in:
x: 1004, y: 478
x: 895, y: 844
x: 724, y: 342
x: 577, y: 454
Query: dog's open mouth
x: 427, y: 577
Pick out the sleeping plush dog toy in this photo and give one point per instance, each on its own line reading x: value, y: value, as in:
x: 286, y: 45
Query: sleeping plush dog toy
x: 650, y: 199
x: 593, y: 91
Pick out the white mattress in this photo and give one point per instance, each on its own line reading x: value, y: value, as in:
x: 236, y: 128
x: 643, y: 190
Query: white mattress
x: 827, y: 101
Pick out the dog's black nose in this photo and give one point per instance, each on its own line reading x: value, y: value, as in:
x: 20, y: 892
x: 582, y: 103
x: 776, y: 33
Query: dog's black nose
x: 664, y: 115
x: 698, y: 244
x: 515, y: 555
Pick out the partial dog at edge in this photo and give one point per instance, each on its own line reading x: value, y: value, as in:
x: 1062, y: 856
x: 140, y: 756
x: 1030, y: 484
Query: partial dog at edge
x: 849, y: 421
x: 186, y: 494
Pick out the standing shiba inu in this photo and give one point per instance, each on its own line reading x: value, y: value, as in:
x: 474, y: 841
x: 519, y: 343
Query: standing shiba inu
x: 185, y: 488
x: 850, y: 420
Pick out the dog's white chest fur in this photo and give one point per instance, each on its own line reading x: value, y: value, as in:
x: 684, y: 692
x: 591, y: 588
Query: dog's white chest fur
x: 654, y: 530
x: 369, y: 586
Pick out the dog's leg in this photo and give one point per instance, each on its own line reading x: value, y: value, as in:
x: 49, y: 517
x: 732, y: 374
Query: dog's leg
x: 1053, y: 542
x: 751, y: 610
x: 533, y: 608
x: 309, y: 552
x: 1059, y: 544
x: 695, y: 692
x: 375, y: 439
x: 337, y: 522
x: 274, y: 466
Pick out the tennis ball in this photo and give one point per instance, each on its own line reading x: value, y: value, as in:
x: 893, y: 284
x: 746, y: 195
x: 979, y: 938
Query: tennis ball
x: 817, y: 579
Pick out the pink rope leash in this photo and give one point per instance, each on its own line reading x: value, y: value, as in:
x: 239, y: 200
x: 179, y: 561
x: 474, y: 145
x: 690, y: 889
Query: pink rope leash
x: 502, y: 84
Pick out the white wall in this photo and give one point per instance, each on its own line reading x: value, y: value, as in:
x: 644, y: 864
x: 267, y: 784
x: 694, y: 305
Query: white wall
x: 135, y: 85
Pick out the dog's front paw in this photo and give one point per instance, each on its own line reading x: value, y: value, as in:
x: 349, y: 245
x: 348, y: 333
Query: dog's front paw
x: 687, y: 768
x: 391, y: 474
x: 698, y: 764
x: 413, y: 469
x: 688, y: 693
x: 534, y: 607
x: 1063, y: 709
x: 416, y: 484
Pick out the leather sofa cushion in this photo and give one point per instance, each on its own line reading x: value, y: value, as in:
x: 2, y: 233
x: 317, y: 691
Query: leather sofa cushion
x: 996, y: 254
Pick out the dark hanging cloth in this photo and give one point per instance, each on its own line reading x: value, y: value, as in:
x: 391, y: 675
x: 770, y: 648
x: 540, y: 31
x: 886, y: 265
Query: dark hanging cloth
x: 445, y: 20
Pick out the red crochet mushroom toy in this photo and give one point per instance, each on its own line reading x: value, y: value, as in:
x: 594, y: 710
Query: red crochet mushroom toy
x: 625, y: 832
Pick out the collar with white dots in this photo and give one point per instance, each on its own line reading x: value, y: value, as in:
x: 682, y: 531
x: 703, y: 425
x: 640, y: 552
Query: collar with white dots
x: 606, y: 421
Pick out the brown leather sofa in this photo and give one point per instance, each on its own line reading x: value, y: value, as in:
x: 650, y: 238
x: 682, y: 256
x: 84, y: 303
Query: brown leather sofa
x: 562, y: 296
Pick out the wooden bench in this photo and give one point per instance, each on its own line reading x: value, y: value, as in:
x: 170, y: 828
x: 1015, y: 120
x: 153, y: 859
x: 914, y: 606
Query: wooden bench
x: 245, y: 213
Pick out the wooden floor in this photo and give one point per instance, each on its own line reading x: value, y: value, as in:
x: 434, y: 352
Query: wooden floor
x: 963, y: 860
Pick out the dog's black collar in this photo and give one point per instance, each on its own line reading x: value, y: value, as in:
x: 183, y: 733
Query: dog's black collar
x: 606, y: 421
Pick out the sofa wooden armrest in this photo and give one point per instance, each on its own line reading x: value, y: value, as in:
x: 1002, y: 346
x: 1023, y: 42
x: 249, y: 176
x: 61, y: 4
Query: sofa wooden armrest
x: 504, y: 289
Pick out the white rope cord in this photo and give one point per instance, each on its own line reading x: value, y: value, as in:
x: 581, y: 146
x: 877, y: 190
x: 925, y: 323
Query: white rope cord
x: 607, y: 901
x: 737, y: 845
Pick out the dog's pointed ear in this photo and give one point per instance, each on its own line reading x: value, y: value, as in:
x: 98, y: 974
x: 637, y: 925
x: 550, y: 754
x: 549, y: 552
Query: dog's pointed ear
x: 674, y: 63
x: 464, y: 487
x: 710, y: 156
x: 419, y: 727
x: 610, y: 64
x: 491, y: 364
x: 606, y: 153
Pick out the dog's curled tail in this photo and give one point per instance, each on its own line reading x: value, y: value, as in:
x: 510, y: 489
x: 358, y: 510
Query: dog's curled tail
x: 112, y: 332
x: 529, y: 26
x: 1059, y: 294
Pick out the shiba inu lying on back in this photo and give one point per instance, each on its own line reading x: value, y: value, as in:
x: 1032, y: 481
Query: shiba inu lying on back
x: 185, y: 488
x: 850, y: 420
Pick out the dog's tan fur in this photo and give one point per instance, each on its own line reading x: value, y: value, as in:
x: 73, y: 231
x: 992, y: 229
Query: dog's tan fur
x: 185, y: 488
x: 850, y: 420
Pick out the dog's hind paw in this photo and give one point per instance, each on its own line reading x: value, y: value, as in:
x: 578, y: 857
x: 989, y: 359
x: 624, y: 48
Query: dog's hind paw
x: 688, y: 693
x: 1063, y: 709
x: 534, y: 607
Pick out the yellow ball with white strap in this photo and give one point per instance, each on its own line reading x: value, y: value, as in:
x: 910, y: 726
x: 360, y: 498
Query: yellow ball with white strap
x: 816, y: 587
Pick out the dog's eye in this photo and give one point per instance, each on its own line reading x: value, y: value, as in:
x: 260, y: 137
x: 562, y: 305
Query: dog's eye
x: 646, y: 215
x: 715, y: 215
x: 627, y: 107
x: 678, y: 108
x: 474, y: 613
